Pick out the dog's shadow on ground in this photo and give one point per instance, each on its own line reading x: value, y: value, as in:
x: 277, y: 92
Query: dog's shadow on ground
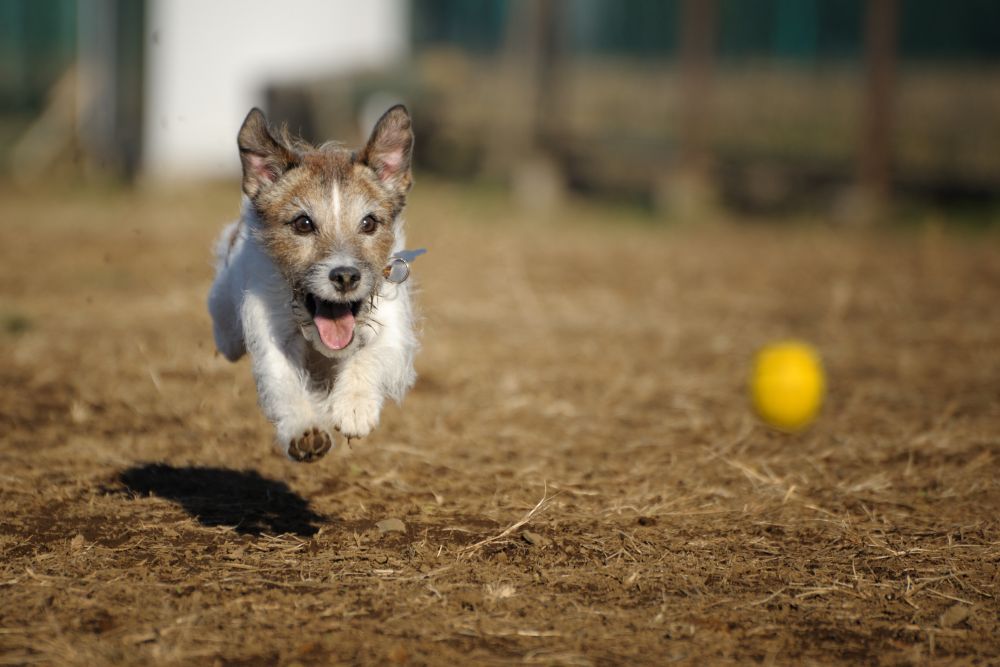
x: 251, y: 504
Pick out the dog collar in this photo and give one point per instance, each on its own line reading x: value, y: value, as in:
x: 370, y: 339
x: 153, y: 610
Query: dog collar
x: 398, y: 268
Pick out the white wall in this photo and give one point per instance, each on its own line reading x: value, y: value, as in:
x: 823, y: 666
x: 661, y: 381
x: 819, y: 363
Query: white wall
x: 208, y: 61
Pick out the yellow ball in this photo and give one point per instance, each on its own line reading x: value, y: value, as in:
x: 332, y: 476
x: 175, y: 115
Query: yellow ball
x: 787, y: 385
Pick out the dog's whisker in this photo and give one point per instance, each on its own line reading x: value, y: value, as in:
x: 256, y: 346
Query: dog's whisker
x: 371, y: 324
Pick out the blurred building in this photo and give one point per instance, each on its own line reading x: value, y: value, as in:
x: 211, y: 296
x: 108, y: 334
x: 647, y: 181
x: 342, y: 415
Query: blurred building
x: 209, y: 62
x: 119, y: 86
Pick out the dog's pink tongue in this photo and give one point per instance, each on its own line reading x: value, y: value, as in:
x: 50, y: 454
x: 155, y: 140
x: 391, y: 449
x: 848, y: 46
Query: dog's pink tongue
x: 335, y: 326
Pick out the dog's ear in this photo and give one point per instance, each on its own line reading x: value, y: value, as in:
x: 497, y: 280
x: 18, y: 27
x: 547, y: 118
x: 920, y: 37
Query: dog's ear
x: 264, y: 158
x: 389, y: 149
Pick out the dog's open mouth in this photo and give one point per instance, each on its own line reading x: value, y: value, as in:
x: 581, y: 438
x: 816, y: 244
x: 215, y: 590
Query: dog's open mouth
x: 334, y: 320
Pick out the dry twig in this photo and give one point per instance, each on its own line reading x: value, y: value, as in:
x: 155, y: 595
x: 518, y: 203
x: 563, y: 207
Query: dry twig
x: 523, y: 521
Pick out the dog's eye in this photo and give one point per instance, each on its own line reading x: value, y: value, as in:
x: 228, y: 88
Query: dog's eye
x: 303, y: 225
x: 369, y: 224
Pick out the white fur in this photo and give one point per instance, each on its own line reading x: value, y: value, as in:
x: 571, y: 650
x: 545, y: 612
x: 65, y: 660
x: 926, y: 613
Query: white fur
x: 336, y: 202
x: 251, y: 307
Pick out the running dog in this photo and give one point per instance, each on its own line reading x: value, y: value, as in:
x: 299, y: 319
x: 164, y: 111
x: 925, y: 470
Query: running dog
x: 302, y: 281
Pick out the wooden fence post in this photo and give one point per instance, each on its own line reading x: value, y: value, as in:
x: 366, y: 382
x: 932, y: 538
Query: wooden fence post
x: 690, y: 190
x: 875, y: 154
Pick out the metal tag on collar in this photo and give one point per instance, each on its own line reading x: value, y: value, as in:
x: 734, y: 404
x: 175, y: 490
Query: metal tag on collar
x: 398, y: 268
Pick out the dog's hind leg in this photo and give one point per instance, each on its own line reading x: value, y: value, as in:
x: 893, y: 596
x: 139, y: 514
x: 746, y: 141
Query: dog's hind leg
x: 224, y: 297
x: 226, y: 327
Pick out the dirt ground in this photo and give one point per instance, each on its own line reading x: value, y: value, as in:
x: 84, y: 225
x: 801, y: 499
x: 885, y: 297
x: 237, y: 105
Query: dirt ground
x: 577, y: 471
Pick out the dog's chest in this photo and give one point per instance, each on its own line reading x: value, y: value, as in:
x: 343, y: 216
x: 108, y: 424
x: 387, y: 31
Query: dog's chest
x: 322, y: 370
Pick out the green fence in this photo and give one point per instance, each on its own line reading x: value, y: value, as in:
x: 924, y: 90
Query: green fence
x: 37, y: 44
x: 803, y: 30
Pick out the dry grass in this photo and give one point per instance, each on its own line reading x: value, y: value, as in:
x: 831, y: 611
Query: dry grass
x: 595, y: 363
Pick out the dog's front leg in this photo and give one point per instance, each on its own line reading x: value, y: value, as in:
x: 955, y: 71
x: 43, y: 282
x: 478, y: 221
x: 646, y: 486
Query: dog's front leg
x: 356, y: 400
x: 282, y: 386
x: 382, y: 368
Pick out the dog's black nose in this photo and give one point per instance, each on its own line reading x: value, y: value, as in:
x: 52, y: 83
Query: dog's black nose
x: 345, y: 278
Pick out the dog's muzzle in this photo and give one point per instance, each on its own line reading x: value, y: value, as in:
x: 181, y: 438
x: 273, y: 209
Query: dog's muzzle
x: 335, y: 321
x: 330, y: 326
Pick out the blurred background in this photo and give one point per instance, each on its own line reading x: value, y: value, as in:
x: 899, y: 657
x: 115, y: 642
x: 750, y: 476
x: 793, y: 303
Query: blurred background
x: 850, y: 109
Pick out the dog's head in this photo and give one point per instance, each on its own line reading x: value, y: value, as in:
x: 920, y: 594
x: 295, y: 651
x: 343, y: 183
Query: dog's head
x: 328, y: 217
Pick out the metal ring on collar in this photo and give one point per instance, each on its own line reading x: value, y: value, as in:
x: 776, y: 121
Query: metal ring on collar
x: 397, y: 270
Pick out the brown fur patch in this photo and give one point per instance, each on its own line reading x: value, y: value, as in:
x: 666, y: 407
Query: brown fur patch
x: 334, y: 187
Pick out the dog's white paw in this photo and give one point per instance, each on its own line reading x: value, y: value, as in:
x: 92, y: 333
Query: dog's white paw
x: 356, y: 413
